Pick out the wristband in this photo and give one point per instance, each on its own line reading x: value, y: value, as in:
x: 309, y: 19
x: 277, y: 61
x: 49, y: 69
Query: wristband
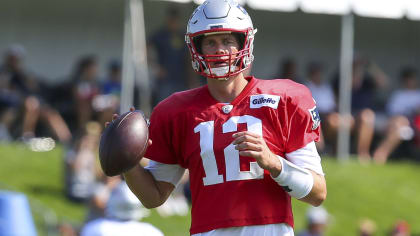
x: 296, y: 181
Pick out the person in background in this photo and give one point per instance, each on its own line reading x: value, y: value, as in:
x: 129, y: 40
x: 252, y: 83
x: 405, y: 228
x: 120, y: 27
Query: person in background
x: 367, y: 79
x: 324, y: 96
x: 288, y: 69
x: 367, y: 227
x: 402, y: 108
x: 85, y: 86
x: 172, y: 65
x: 122, y: 214
x: 100, y: 196
x: 107, y: 102
x: 317, y: 222
x: 81, y: 164
x: 401, y: 228
x: 22, y: 95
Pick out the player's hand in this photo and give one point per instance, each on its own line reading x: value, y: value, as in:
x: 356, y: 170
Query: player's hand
x: 253, y: 145
x: 115, y: 116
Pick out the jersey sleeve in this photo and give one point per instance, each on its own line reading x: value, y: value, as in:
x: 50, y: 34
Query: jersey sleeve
x: 160, y: 132
x: 307, y: 158
x: 303, y: 119
x: 166, y: 173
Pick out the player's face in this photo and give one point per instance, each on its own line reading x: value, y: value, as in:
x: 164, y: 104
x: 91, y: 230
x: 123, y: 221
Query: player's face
x: 220, y: 44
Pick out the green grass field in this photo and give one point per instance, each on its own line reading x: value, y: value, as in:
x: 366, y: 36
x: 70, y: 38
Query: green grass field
x: 381, y: 193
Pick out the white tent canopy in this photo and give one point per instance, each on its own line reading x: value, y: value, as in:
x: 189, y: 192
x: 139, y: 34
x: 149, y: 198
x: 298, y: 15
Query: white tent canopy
x: 367, y: 8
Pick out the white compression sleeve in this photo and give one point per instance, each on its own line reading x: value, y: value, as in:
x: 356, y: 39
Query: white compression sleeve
x: 165, y: 172
x: 296, y: 181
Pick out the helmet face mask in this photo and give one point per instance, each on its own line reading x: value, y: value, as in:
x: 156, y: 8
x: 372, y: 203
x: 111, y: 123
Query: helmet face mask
x: 220, y: 17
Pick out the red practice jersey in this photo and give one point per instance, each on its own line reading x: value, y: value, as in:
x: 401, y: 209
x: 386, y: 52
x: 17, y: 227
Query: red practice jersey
x: 195, y: 131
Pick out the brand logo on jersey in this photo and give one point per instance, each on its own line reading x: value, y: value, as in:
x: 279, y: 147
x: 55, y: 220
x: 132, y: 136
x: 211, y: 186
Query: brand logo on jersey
x: 316, y: 119
x: 264, y: 100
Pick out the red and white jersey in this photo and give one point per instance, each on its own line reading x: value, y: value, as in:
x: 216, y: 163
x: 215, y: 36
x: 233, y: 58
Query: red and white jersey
x: 195, y: 131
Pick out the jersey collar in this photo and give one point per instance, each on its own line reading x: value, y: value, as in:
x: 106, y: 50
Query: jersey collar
x: 252, y: 81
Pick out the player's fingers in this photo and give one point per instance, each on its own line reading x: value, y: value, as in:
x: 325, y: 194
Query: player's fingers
x: 149, y: 142
x: 245, y: 133
x: 248, y: 146
x: 245, y: 138
x: 132, y: 109
x: 250, y: 153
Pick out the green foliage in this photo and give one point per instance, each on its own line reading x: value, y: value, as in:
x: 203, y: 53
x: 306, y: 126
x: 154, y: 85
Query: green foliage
x: 383, y: 194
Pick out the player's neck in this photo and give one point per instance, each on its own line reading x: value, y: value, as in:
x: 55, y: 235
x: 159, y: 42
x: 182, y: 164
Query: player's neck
x: 227, y: 90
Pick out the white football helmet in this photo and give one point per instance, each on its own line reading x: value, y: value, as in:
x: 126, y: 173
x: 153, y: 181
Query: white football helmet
x: 220, y: 16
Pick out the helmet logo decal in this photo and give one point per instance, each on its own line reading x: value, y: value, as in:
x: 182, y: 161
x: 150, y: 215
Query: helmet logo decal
x: 216, y: 26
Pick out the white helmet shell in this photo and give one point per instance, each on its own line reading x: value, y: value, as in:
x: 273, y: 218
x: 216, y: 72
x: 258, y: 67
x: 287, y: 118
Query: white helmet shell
x: 220, y: 16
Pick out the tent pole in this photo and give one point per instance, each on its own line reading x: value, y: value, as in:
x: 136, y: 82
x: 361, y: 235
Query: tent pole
x: 140, y: 55
x: 127, y: 64
x: 346, y: 64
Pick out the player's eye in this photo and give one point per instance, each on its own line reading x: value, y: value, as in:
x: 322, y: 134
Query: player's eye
x: 209, y: 43
x: 228, y: 41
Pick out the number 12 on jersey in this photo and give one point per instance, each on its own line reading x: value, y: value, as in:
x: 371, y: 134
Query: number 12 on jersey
x: 233, y: 172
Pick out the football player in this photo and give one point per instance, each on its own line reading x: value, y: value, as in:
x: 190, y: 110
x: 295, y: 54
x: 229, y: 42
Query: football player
x: 248, y: 143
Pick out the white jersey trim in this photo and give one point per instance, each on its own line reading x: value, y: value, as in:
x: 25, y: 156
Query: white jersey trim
x: 165, y: 172
x: 307, y: 158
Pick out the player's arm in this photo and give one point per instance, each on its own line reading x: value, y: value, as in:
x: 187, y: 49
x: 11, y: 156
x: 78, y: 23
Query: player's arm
x: 153, y: 184
x: 302, y: 173
x: 302, y: 179
x: 318, y: 192
x: 149, y: 191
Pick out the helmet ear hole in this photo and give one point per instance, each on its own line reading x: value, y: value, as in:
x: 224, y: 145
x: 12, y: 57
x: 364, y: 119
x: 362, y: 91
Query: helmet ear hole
x: 240, y: 37
x: 197, y: 43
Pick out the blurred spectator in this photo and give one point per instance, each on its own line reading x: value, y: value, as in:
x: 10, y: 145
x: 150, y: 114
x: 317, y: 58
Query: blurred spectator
x: 325, y: 99
x: 20, y: 91
x: 417, y: 130
x: 9, y: 99
x: 367, y: 79
x: 81, y: 164
x: 401, y: 228
x: 112, y: 83
x: 85, y: 86
x: 108, y: 101
x: 100, y: 196
x: 288, y: 70
x: 402, y: 107
x: 123, y: 212
x: 66, y: 229
x: 367, y: 228
x: 173, y: 67
x: 317, y: 221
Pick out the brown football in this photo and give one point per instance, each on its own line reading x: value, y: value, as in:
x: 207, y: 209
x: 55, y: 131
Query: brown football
x: 123, y: 143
